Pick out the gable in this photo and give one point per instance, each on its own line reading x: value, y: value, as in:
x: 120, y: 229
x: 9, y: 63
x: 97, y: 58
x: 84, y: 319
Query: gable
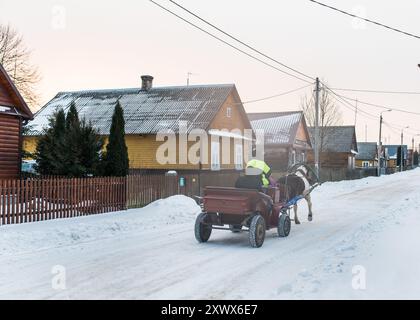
x: 11, y: 98
x: 337, y: 138
x: 282, y: 128
x: 231, y: 114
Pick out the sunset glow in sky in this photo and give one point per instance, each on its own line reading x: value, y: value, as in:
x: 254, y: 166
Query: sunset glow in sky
x: 109, y: 44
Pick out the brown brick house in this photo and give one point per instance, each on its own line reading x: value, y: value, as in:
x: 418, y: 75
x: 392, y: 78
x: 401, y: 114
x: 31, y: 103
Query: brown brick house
x: 13, y: 112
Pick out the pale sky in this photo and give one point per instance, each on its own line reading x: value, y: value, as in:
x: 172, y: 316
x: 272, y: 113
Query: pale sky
x: 108, y: 44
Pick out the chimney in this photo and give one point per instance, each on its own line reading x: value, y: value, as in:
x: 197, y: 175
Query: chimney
x: 146, y: 83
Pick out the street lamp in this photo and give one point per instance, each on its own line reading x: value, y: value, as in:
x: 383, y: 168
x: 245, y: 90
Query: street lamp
x: 402, y: 151
x: 380, y: 142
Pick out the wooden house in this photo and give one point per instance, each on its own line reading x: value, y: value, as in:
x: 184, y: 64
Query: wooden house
x: 338, y: 148
x: 367, y: 156
x: 13, y: 113
x: 149, y: 111
x: 286, y: 137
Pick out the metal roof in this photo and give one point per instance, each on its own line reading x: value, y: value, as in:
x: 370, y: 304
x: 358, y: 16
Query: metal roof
x: 337, y: 138
x: 279, y: 127
x: 367, y: 151
x: 145, y: 112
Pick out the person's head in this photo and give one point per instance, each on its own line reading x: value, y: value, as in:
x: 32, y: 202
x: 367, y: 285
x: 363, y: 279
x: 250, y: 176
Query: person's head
x: 251, y: 171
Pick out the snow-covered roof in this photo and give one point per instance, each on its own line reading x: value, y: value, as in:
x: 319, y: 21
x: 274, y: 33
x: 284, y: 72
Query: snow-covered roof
x: 279, y: 127
x: 145, y: 112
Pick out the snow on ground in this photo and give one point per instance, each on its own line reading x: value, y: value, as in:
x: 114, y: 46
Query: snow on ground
x: 52, y: 233
x: 151, y: 253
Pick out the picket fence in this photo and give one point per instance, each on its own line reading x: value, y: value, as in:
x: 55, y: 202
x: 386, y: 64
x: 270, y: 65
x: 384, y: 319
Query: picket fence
x: 51, y: 198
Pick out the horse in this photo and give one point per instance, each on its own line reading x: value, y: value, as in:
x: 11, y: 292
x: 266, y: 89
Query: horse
x: 298, y: 182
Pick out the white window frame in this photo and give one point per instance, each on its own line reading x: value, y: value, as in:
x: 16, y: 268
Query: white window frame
x: 228, y: 112
x: 239, y: 156
x: 215, y: 156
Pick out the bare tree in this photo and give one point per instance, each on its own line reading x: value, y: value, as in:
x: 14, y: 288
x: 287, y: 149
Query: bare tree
x: 329, y: 114
x: 14, y: 56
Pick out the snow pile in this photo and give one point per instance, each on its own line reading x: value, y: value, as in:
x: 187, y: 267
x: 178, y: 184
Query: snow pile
x: 52, y: 233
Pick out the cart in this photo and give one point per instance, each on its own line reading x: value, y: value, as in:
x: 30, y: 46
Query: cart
x: 239, y: 210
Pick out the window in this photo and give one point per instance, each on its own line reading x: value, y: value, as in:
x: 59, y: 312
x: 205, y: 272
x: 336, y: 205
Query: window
x: 215, y: 155
x: 365, y: 164
x: 239, y: 157
x: 294, y: 156
x: 228, y: 112
x: 303, y: 157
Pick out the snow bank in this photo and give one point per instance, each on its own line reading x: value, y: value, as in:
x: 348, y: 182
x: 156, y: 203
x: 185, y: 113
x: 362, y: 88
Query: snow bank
x: 52, y: 233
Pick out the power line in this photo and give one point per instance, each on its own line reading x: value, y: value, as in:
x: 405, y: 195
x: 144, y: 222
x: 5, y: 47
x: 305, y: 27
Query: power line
x: 380, y: 106
x: 340, y: 97
x: 367, y: 20
x: 367, y: 114
x: 241, y: 42
x: 277, y: 95
x: 378, y: 91
x: 227, y: 43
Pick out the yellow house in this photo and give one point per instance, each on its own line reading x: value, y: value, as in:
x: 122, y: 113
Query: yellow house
x: 157, y: 117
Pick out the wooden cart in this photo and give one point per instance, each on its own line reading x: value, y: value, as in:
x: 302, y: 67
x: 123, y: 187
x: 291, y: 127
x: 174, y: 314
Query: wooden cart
x: 243, y: 209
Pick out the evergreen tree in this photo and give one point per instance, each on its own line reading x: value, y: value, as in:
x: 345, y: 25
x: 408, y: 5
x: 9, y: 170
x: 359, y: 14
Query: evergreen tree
x: 74, y: 167
x: 116, y: 156
x: 69, y: 147
x: 91, y: 144
x: 416, y: 158
x: 50, y: 152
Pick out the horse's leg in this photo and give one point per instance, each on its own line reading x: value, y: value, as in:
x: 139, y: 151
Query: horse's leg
x: 296, y: 217
x: 309, y: 201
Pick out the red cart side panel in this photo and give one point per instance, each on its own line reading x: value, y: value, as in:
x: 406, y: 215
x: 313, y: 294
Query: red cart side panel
x: 227, y: 204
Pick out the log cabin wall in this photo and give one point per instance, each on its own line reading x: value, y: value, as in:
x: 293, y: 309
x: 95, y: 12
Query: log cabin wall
x: 9, y: 146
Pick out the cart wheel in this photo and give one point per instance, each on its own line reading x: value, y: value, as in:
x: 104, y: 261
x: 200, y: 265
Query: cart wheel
x: 284, y: 226
x: 257, y: 231
x: 201, y: 230
x: 235, y: 228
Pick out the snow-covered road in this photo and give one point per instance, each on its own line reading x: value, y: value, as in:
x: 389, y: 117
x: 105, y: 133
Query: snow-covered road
x: 151, y: 253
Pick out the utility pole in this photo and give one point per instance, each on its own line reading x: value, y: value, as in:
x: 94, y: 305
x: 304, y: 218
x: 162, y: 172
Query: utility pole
x: 402, y: 151
x: 380, y: 146
x: 365, y: 132
x: 380, y: 142
x: 316, y: 140
x: 355, y: 113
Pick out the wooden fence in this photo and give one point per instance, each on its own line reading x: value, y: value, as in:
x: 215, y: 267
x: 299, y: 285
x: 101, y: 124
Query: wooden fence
x: 44, y: 199
x: 144, y: 189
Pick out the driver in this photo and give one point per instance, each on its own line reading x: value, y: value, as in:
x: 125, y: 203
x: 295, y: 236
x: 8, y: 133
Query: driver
x: 260, y: 168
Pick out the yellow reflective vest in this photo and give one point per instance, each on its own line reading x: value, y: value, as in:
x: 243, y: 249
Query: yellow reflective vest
x: 266, y: 171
